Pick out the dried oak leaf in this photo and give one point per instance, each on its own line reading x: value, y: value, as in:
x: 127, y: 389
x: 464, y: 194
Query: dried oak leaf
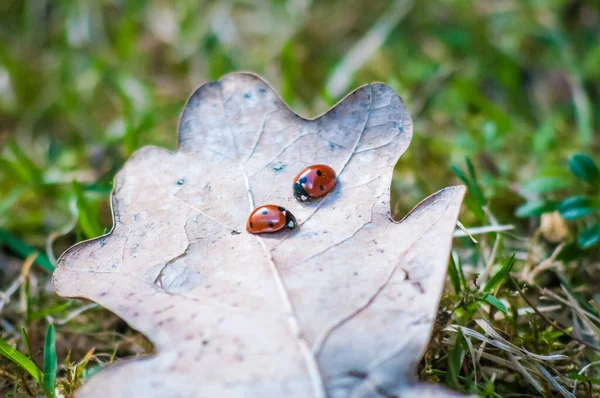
x: 343, y: 306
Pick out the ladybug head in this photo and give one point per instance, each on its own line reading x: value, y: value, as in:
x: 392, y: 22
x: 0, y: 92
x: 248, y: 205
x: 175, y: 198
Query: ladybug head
x: 290, y: 220
x: 300, y: 193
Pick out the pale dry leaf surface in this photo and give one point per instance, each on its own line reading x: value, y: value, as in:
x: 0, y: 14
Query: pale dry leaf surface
x: 343, y: 306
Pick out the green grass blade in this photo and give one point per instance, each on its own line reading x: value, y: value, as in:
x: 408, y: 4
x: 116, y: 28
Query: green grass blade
x: 88, y: 214
x: 475, y: 199
x: 31, y: 170
x: 288, y: 72
x: 459, y: 173
x: 50, y: 361
x: 454, y: 278
x: 11, y: 198
x: 23, y: 250
x: 461, y: 273
x: 583, y: 378
x: 475, y: 184
x: 13, y: 170
x: 455, y: 360
x: 26, y: 294
x: 488, y: 298
x: 499, y: 276
x: 26, y: 341
x: 7, y: 351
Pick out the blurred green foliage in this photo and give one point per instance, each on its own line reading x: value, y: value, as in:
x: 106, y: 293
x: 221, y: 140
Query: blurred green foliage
x: 583, y: 208
x: 513, y: 86
x: 510, y: 84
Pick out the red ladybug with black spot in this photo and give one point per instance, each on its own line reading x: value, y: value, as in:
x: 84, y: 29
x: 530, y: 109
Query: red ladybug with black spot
x: 270, y: 218
x: 313, y: 182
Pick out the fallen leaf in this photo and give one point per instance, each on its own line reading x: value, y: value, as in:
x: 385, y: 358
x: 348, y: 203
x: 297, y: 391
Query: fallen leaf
x: 343, y: 306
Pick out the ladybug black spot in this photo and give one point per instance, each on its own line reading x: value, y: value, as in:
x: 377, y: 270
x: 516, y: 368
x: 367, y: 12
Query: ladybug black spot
x: 270, y: 223
x: 358, y: 374
x: 321, y: 187
x: 280, y: 208
x: 264, y: 212
x: 251, y: 226
x: 303, y: 180
x: 319, y: 173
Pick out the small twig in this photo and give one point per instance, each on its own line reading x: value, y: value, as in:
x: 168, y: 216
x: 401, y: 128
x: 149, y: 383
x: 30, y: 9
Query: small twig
x: 340, y: 78
x: 528, y: 310
x: 5, y: 296
x: 431, y: 87
x: 529, y: 276
x: 24, y: 275
x: 73, y: 314
x: 550, y: 294
x: 529, y: 263
x: 465, y: 232
x: 490, y: 215
x: 492, y: 258
x: 62, y: 231
x: 554, y: 324
x: 8, y: 326
x: 12, y: 378
x: 469, y: 232
x: 491, y: 261
x: 583, y: 371
x: 585, y: 319
x: 27, y: 388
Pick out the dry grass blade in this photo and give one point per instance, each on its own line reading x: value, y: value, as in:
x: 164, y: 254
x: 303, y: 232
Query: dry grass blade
x: 488, y: 229
x: 343, y: 72
x: 585, y: 316
x: 71, y: 315
x: 514, y: 361
x: 517, y: 356
x: 582, y: 371
x: 489, y: 330
x: 554, y: 383
x: 548, y: 320
x: 473, y: 358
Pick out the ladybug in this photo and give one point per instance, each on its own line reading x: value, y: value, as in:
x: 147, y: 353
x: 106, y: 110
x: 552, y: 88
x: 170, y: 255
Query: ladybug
x: 313, y: 182
x: 270, y: 218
